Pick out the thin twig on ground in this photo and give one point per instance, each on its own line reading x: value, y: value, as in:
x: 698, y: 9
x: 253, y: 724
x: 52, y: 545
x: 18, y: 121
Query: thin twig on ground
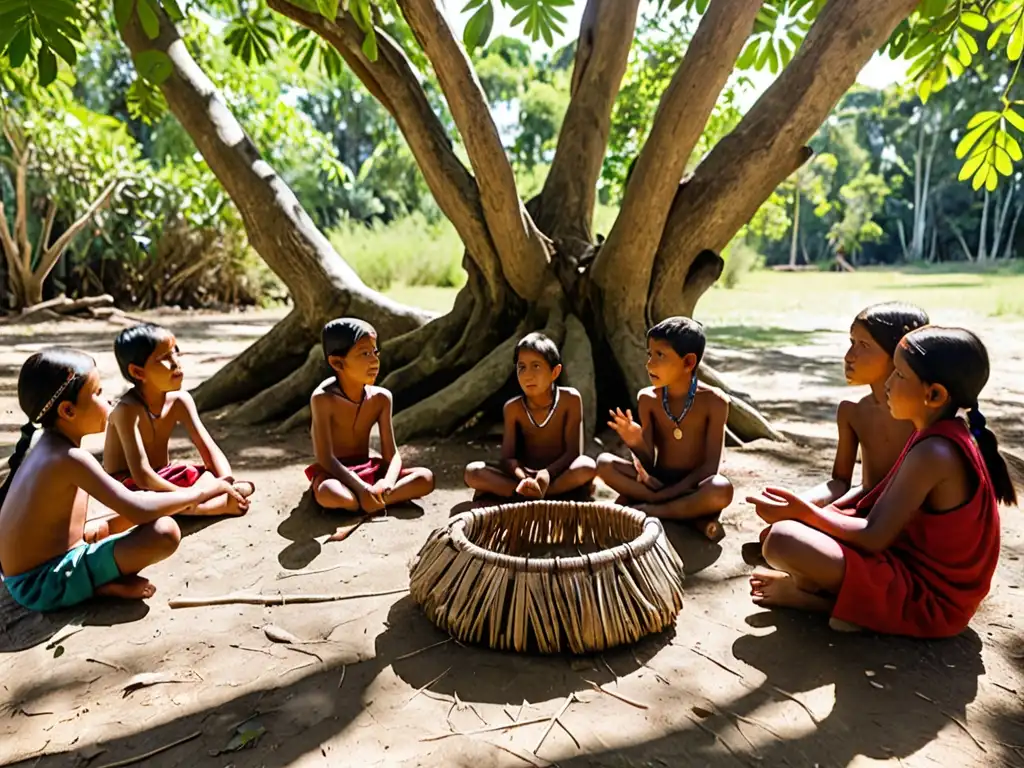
x: 421, y: 650
x: 303, y: 650
x: 342, y: 678
x: 567, y: 732
x: 151, y: 753
x: 568, y: 701
x: 620, y: 697
x: 715, y: 661
x: 252, y: 650
x: 271, y: 600
x: 117, y: 667
x: 421, y: 690
x: 526, y: 757
x: 714, y: 736
x: 285, y: 575
x: 490, y: 729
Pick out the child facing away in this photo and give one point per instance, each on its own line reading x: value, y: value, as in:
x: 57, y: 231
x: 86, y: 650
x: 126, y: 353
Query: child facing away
x: 542, y: 443
x: 868, y: 424
x: 136, y: 448
x: 50, y: 557
x: 345, y: 409
x: 918, y: 557
x: 677, y: 446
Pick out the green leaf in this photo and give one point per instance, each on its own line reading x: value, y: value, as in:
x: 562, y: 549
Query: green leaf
x: 173, y: 10
x: 932, y: 8
x: 8, y: 32
x: 974, y: 20
x: 1013, y: 148
x: 1014, y: 119
x: 47, y: 65
x: 328, y: 8
x: 58, y: 651
x: 123, y: 12
x: 971, y: 166
x: 478, y: 28
x: 924, y: 90
x: 970, y: 139
x: 993, y: 39
x: 370, y: 45
x: 1003, y: 163
x: 992, y: 180
x: 307, y: 56
x: 19, y: 46
x: 748, y: 57
x: 1016, y: 44
x: 149, y: 19
x: 60, y: 45
x: 154, y: 66
x: 982, y: 117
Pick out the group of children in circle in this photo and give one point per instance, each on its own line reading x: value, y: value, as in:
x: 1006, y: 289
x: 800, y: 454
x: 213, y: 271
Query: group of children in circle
x: 911, y: 550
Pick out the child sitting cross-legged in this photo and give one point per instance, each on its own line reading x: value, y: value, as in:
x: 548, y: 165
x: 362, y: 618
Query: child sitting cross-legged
x: 918, y: 557
x: 542, y: 445
x: 677, y: 446
x: 50, y: 557
x: 345, y: 409
x: 139, y: 432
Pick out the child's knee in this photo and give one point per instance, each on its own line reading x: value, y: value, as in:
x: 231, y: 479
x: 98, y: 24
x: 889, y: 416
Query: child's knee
x: 426, y: 477
x: 166, y: 534
x: 473, y: 471
x: 586, y: 466
x: 605, y: 465
x: 782, y: 540
x: 721, y: 490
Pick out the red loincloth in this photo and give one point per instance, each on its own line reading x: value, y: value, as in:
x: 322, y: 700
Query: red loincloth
x: 182, y: 475
x: 367, y: 470
x: 930, y: 582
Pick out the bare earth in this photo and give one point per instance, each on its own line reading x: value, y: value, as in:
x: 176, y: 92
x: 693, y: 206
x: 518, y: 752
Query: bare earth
x: 733, y: 685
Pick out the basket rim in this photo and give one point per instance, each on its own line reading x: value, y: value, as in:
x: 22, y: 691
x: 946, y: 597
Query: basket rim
x: 651, y: 532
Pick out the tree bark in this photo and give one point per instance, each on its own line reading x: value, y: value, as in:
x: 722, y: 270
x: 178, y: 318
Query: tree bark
x: 321, y: 284
x: 739, y: 174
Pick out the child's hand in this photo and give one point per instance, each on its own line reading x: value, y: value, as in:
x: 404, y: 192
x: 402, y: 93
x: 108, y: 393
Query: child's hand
x: 645, y: 478
x: 369, y: 500
x: 225, y: 486
x: 628, y: 430
x: 382, y: 489
x: 529, y: 489
x: 543, y: 481
x: 776, y: 504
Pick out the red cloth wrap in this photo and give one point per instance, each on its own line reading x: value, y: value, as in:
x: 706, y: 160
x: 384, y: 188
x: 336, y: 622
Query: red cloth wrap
x: 182, y: 475
x: 930, y: 582
x: 368, y: 470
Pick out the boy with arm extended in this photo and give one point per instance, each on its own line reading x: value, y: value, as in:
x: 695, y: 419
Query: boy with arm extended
x: 138, y: 435
x: 345, y: 409
x: 542, y: 441
x: 678, y: 444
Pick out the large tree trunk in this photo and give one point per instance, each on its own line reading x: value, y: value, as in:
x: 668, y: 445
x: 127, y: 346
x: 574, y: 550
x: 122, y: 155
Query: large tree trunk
x: 322, y: 286
x: 534, y: 266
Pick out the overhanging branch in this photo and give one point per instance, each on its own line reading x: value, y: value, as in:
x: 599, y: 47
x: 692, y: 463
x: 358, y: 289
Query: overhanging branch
x: 741, y: 171
x: 51, y: 254
x: 520, y: 245
x: 602, y: 51
x: 682, y: 114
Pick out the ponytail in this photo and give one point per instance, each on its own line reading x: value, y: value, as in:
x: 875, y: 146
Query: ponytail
x: 20, y: 450
x: 994, y: 461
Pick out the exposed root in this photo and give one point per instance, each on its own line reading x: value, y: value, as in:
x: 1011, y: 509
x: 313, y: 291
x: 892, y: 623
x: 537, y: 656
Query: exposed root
x: 260, y: 366
x: 288, y: 395
x: 745, y: 422
x: 578, y: 360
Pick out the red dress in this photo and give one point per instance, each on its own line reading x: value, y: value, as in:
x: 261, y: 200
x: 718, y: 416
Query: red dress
x: 932, y: 579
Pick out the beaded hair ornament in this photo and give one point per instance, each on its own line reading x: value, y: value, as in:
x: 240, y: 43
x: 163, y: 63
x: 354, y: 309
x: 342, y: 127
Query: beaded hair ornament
x: 55, y: 398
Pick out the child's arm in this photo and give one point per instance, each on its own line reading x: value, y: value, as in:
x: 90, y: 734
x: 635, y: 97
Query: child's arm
x: 213, y: 457
x: 714, y: 445
x: 639, y: 438
x: 838, y: 490
x: 571, y: 436
x: 140, y: 506
x: 922, y: 470
x: 323, y: 448
x: 125, y: 422
x: 388, y: 449
x: 508, y: 442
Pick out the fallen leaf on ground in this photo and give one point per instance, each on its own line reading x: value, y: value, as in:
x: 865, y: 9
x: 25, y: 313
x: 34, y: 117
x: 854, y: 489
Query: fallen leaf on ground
x: 246, y: 735
x: 278, y: 635
x: 146, y: 679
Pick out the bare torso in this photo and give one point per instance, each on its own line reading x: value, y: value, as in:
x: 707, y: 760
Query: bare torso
x: 882, y: 439
x: 672, y: 456
x: 350, y: 423
x: 538, y: 447
x: 155, y: 430
x: 43, y: 515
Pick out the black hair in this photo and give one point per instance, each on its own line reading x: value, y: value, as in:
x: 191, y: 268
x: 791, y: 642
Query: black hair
x: 47, y: 379
x: 542, y: 345
x: 685, y: 335
x: 339, y: 336
x: 958, y: 360
x: 889, y: 322
x: 135, y: 345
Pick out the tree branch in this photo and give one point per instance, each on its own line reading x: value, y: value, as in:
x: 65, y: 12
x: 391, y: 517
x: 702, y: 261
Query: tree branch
x: 741, y: 171
x: 393, y: 81
x: 9, y: 246
x: 520, y: 245
x: 21, y: 206
x: 678, y: 124
x: 44, y: 235
x: 602, y: 51
x: 51, y: 254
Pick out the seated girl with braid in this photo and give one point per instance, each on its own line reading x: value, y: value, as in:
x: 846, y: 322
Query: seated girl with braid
x: 345, y: 408
x: 542, y: 444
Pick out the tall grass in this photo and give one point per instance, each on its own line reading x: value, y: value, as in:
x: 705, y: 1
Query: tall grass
x: 406, y: 251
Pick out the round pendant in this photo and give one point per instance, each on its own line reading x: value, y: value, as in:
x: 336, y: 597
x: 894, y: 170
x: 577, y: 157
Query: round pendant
x: 677, y: 433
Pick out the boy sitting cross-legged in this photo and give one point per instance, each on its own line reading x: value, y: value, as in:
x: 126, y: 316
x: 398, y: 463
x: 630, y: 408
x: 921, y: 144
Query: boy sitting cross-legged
x: 345, y: 409
x: 139, y: 431
x: 677, y: 446
x: 542, y: 446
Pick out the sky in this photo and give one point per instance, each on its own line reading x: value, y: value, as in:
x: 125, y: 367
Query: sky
x: 879, y: 72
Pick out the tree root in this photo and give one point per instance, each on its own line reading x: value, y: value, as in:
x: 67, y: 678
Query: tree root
x: 745, y: 422
x: 261, y: 365
x: 578, y: 361
x: 288, y: 395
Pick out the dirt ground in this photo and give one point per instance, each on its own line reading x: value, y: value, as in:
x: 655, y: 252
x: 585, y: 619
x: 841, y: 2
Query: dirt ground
x: 732, y: 684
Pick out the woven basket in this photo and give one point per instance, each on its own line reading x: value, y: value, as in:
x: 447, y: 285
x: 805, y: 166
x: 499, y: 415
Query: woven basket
x: 479, y: 577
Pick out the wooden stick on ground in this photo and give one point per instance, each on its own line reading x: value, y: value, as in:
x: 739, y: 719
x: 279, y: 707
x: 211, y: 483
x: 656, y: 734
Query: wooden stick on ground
x: 568, y: 700
x: 618, y: 696
x: 421, y: 690
x: 421, y: 650
x: 490, y: 729
x: 239, y: 598
x: 157, y: 751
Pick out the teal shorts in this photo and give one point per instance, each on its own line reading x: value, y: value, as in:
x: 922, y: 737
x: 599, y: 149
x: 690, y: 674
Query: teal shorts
x: 67, y: 580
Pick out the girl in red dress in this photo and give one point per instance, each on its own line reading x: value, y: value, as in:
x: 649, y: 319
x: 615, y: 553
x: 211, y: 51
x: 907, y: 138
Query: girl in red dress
x: 918, y: 557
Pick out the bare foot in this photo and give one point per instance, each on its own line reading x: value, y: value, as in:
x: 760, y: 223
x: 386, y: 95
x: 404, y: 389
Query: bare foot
x: 710, y: 527
x: 777, y: 589
x: 843, y: 626
x: 128, y: 588
x: 245, y: 487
